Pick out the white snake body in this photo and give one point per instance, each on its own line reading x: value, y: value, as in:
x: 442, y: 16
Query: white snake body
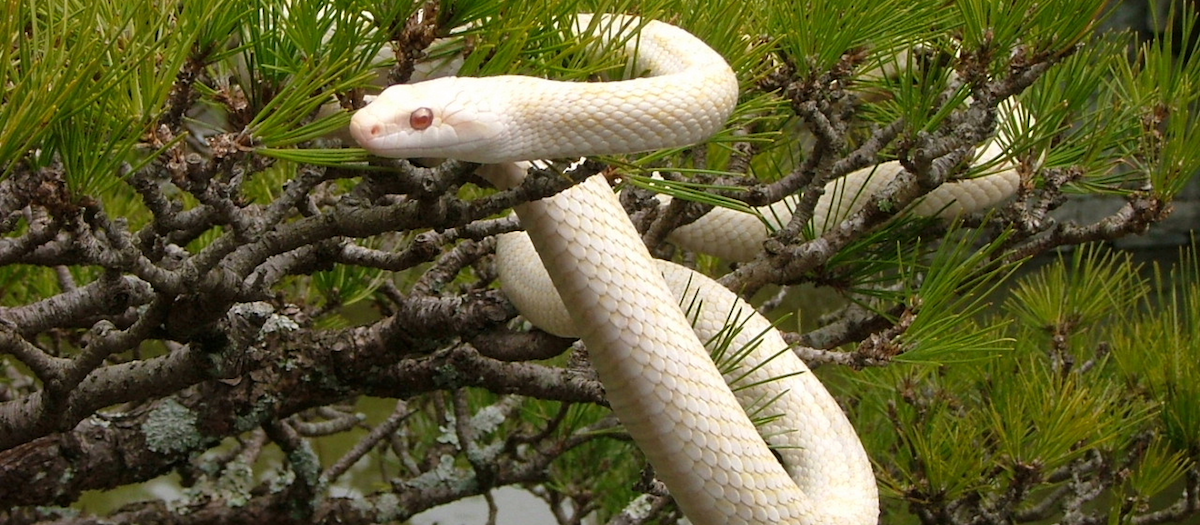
x: 669, y: 398
x: 659, y: 378
x: 736, y: 236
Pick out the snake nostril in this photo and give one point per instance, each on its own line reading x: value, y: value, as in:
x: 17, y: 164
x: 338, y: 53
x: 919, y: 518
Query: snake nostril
x: 376, y: 130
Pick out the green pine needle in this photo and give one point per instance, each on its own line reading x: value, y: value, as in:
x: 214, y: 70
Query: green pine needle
x: 695, y: 192
x: 816, y: 35
x: 319, y: 157
x: 1161, y: 467
x: 953, y: 294
x: 1087, y: 290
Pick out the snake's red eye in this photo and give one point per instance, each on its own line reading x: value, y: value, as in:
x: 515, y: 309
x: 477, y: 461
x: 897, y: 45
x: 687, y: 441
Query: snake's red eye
x: 421, y: 119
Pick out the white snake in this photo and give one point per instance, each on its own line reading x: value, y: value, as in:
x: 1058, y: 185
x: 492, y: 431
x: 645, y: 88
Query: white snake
x: 659, y: 378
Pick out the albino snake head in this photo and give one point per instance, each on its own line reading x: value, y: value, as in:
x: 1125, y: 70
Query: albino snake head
x: 439, y: 118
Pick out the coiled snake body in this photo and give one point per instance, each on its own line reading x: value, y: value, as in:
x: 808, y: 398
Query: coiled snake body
x: 659, y: 378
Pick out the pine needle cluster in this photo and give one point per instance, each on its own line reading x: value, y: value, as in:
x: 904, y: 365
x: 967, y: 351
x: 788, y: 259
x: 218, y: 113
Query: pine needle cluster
x: 204, y: 284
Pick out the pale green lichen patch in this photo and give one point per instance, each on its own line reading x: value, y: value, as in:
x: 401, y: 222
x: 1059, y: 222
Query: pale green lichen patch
x: 171, y: 428
x: 640, y: 508
x: 388, y: 507
x: 489, y: 419
x: 279, y: 323
x: 448, y: 435
x: 235, y: 485
x: 306, y: 463
x: 263, y: 408
x: 59, y: 512
x: 486, y: 454
x: 444, y: 475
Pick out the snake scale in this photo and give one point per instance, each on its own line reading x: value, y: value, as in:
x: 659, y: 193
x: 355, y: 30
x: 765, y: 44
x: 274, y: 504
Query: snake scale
x: 583, y: 256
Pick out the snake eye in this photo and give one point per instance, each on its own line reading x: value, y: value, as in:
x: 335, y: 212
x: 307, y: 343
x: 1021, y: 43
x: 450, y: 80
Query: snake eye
x: 421, y: 119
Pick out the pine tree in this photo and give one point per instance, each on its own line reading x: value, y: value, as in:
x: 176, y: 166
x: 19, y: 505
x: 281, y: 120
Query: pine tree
x: 202, y: 278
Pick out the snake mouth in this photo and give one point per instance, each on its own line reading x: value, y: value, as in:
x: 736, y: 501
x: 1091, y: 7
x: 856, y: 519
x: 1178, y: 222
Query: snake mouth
x: 370, y: 132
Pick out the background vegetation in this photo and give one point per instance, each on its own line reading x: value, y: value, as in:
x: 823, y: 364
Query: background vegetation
x: 200, y: 279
